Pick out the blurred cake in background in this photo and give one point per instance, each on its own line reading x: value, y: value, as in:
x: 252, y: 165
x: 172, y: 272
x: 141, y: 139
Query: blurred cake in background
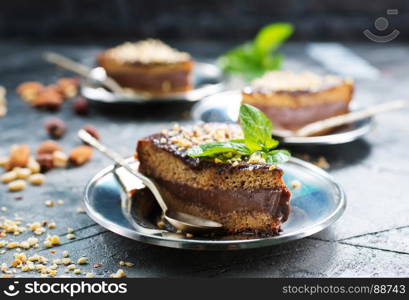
x: 149, y: 66
x: 293, y: 100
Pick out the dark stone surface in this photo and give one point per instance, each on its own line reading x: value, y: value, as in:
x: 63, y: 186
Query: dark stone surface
x: 369, y: 240
x: 185, y: 19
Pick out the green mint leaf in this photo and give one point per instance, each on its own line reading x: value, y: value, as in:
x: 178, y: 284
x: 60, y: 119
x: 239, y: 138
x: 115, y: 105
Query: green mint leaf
x: 242, y: 59
x: 273, y: 62
x: 256, y: 128
x: 270, y: 37
x: 277, y: 156
x: 212, y: 149
x: 253, y: 59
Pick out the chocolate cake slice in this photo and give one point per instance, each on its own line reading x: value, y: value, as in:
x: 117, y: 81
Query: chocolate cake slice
x: 150, y: 67
x: 245, y: 194
x: 293, y: 100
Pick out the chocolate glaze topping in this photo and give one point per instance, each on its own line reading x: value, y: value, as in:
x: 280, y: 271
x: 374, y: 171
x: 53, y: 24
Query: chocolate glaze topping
x: 178, y: 140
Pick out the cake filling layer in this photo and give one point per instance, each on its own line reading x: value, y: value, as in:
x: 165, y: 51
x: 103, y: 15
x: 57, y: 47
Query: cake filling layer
x: 294, y: 118
x: 168, y: 81
x: 271, y: 202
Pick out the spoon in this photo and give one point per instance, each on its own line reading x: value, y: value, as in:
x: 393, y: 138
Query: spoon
x: 316, y: 127
x: 181, y: 221
x: 97, y: 74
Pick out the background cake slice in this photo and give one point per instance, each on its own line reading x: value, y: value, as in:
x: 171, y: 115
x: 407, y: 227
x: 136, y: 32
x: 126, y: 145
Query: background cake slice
x: 292, y: 100
x: 149, y: 67
x: 244, y: 194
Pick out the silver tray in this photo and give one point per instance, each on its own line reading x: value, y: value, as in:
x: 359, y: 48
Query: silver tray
x: 224, y: 107
x: 207, y: 80
x: 317, y: 204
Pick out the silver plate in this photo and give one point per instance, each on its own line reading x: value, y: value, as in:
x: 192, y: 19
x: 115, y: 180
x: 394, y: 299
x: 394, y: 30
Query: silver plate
x: 317, y: 204
x: 207, y: 79
x: 224, y: 107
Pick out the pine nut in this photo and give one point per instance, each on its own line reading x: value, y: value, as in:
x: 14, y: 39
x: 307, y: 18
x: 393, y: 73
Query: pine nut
x: 16, y: 186
x: 23, y: 173
x: 60, y: 159
x: 36, y: 179
x: 9, y: 176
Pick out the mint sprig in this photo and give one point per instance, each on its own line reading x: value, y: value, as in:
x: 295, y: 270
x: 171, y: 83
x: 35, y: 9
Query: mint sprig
x: 257, y: 139
x: 213, y: 149
x: 254, y: 58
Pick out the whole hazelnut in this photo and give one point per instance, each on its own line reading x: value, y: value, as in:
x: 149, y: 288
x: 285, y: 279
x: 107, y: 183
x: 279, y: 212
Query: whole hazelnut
x: 46, y: 161
x: 92, y: 131
x: 81, y: 106
x: 55, y: 127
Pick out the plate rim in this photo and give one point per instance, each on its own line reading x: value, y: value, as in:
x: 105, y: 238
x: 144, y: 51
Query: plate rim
x: 193, y: 244
x: 328, y: 139
x: 180, y: 97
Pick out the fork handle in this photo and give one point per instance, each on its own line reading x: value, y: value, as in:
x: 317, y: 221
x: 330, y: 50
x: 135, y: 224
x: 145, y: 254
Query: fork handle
x: 332, y: 122
x: 86, y: 137
x: 67, y: 64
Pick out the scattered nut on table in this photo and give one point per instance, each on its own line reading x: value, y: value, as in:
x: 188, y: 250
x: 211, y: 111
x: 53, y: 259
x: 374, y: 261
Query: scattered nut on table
x: 48, y: 147
x: 45, y: 161
x: 36, y: 179
x: 49, y: 98
x: 81, y: 106
x: 28, y: 91
x: 68, y: 86
x: 19, y: 156
x: 33, y: 165
x: 80, y: 155
x: 92, y: 131
x: 60, y: 159
x: 16, y: 185
x: 296, y: 184
x: 22, y: 173
x: 55, y: 128
x: 9, y: 176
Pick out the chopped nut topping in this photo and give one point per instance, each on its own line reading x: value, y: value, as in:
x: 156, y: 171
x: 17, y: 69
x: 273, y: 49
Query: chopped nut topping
x: 256, y: 158
x: 288, y: 81
x: 147, y: 52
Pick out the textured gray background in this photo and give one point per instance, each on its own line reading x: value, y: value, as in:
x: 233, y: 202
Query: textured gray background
x: 371, y: 239
x: 186, y: 19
